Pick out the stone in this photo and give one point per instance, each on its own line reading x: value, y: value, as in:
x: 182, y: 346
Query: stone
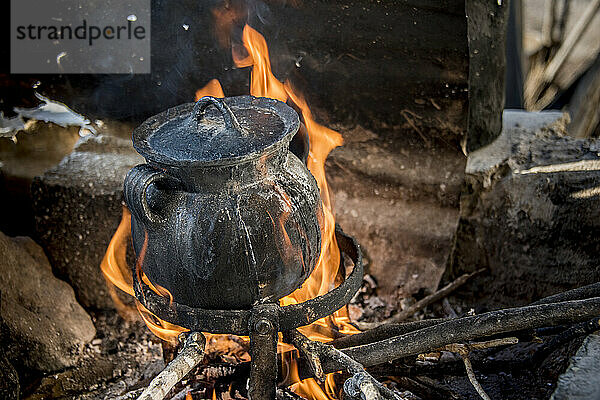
x: 40, y: 147
x: 401, y: 204
x: 125, y: 355
x: 9, y: 380
x: 46, y: 328
x: 77, y: 208
x: 75, y: 381
x: 530, y: 212
x: 580, y: 380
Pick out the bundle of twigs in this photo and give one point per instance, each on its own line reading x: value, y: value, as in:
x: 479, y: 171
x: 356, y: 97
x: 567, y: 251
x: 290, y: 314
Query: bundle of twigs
x: 578, y: 308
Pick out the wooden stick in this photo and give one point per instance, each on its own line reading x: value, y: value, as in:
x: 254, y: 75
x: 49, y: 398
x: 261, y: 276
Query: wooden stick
x: 463, y: 351
x: 421, y: 304
x: 473, y: 378
x: 468, y: 328
x: 572, y: 37
x: 387, y: 331
x: 580, y: 293
x: 190, y: 355
x: 360, y: 385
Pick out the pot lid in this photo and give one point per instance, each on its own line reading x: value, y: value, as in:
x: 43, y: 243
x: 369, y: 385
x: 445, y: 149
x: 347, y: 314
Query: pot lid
x: 216, y: 131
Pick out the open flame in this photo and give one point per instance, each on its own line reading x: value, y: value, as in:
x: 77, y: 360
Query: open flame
x: 322, y: 140
x: 212, y: 88
x: 117, y: 272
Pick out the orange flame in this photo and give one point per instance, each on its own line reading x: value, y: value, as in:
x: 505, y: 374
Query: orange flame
x: 322, y: 140
x: 115, y: 270
x: 212, y: 88
x: 262, y: 81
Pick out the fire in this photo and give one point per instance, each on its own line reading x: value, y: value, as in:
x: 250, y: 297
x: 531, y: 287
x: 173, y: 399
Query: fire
x: 322, y: 279
x: 322, y: 141
x: 262, y: 81
x: 212, y: 88
x: 117, y: 272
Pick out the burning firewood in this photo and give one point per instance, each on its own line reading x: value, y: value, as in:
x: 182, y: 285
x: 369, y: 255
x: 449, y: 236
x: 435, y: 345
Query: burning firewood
x: 360, y: 386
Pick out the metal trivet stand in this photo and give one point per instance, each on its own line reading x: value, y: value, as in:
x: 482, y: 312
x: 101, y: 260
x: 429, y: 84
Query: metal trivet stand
x: 263, y: 322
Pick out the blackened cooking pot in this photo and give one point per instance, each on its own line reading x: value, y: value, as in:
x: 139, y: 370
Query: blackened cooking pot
x: 231, y: 217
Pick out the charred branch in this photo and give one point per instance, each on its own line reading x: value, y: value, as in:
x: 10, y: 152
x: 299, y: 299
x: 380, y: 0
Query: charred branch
x: 469, y: 328
x: 487, y: 365
x: 384, y: 332
x: 581, y: 329
x: 584, y: 292
x: 361, y: 385
x: 308, y: 349
x: 190, y: 355
x: 396, y: 329
x: 463, y: 351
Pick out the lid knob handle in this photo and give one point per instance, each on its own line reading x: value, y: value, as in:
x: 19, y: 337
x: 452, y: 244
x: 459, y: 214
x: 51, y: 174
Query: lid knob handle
x: 231, y: 122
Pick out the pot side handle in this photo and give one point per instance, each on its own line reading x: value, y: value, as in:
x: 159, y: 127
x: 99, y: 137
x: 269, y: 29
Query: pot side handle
x: 135, y: 187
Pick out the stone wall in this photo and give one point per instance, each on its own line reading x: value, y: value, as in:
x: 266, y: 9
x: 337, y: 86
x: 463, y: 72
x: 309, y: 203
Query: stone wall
x: 530, y: 212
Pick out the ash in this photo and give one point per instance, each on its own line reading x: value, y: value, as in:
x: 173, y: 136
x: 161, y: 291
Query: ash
x: 122, y: 357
